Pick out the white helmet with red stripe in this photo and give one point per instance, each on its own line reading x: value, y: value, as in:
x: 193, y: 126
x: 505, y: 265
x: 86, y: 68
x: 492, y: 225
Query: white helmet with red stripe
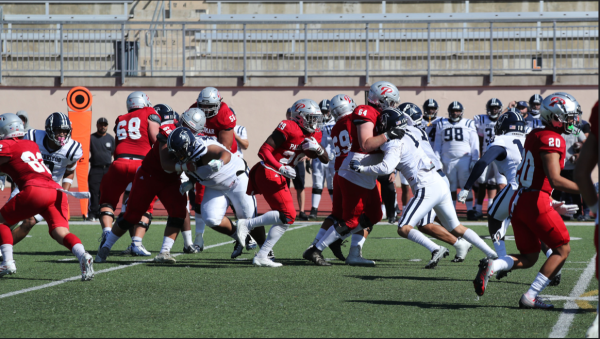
x: 307, y: 114
x: 209, y: 101
x: 341, y: 105
x: 137, y: 100
x: 384, y: 94
x: 561, y: 111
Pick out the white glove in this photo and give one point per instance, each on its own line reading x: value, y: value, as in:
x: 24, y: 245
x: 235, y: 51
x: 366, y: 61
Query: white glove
x: 287, y: 171
x: 185, y: 187
x: 311, y: 144
x: 187, y: 167
x: 472, y: 164
x: 462, y: 196
x: 215, y: 165
x: 562, y: 209
x: 2, y: 182
x: 356, y: 166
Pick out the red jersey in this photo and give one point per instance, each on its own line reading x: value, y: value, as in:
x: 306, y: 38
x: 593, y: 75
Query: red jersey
x: 362, y: 113
x: 26, y: 166
x: 342, y: 139
x: 530, y: 173
x: 289, y: 152
x: 151, y: 163
x: 224, y: 120
x: 132, y: 133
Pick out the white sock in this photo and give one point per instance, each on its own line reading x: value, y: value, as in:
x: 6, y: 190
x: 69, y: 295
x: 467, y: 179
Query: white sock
x: 358, y: 240
x: 549, y: 253
x: 504, y: 263
x: 383, y: 209
x: 474, y: 239
x: 490, y: 202
x: 111, y: 239
x: 167, y: 245
x: 469, y: 205
x: 500, y: 248
x: 200, y: 225
x: 316, y: 199
x: 419, y: 238
x: 275, y: 233
x: 78, y: 250
x: 137, y: 241
x: 269, y: 218
x: 328, y: 238
x: 479, y: 208
x: 107, y: 229
x: 187, y: 238
x: 7, y: 252
x: 538, y: 285
x: 320, y: 235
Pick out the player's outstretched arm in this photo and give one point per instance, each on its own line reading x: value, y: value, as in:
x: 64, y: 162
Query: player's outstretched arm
x: 226, y: 138
x: 551, y: 163
x: 68, y: 179
x: 369, y: 143
x: 493, y: 153
x: 588, y: 158
x: 243, y: 143
x: 153, y: 128
x: 391, y: 159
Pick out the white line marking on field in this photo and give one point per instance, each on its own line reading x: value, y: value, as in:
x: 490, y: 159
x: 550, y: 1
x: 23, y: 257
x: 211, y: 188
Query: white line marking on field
x: 67, y: 259
x: 560, y: 297
x: 561, y: 328
x: 116, y: 268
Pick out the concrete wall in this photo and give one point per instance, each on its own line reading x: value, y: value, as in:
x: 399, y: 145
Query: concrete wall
x: 260, y: 109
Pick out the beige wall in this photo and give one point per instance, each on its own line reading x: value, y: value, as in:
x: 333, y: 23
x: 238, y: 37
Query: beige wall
x: 260, y: 109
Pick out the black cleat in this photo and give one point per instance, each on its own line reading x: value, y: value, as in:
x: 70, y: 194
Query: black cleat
x: 313, y: 254
x: 336, y: 248
x: 502, y: 274
x: 313, y: 213
x: 483, y: 276
x: 556, y: 280
x: 473, y: 215
x: 303, y: 216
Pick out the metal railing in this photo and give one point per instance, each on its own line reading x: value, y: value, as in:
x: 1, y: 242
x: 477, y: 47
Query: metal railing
x: 365, y: 49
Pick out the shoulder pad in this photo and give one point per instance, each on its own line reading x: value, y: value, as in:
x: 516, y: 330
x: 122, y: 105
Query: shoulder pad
x: 154, y: 117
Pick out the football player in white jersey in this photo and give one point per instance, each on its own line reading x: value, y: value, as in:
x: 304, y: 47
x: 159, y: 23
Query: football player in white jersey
x: 431, y: 191
x: 457, y: 145
x: 430, y: 119
x: 522, y: 108
x: 535, y: 103
x: 490, y: 178
x: 322, y: 173
x: 60, y: 154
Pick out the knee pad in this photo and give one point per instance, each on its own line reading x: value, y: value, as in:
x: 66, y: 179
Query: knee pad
x: 146, y: 225
x: 341, y: 228
x: 364, y: 222
x: 492, y: 187
x: 124, y: 224
x: 110, y: 214
x: 107, y: 205
x: 317, y: 191
x: 175, y: 222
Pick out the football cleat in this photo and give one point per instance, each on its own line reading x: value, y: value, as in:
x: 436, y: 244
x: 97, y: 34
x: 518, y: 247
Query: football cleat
x: 483, y: 276
x: 250, y: 243
x: 238, y: 248
x: 87, y: 267
x: 436, y: 256
x: 556, y: 280
x: 127, y: 251
x: 199, y: 241
x: 355, y: 258
x: 102, y: 254
x: 474, y: 215
x: 502, y: 274
x: 271, y: 255
x: 393, y: 220
x: 336, y: 248
x: 8, y: 268
x: 242, y: 232
x: 139, y: 250
x: 265, y: 262
x: 313, y: 254
x: 540, y: 303
x: 302, y: 216
x: 592, y: 332
x: 192, y: 249
x: 165, y: 258
x: 313, y: 213
x: 462, y: 248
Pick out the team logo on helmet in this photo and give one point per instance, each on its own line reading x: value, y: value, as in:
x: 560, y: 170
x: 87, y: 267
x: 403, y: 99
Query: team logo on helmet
x: 556, y: 100
x: 299, y: 106
x: 385, y: 90
x: 347, y: 98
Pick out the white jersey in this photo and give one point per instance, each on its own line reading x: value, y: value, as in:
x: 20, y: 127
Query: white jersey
x: 485, y: 129
x: 456, y: 140
x: 419, y: 133
x: 59, y: 161
x: 223, y: 178
x: 533, y: 124
x: 327, y: 141
x: 513, y: 143
x: 429, y: 128
x: 243, y: 134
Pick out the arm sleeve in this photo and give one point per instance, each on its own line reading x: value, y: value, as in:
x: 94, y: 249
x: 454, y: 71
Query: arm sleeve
x: 389, y: 163
x: 493, y: 153
x: 266, y: 154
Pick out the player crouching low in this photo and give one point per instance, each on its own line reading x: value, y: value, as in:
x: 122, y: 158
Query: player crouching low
x: 22, y: 161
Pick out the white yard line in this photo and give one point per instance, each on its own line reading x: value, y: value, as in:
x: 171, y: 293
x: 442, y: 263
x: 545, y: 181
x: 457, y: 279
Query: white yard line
x: 561, y: 328
x: 116, y: 268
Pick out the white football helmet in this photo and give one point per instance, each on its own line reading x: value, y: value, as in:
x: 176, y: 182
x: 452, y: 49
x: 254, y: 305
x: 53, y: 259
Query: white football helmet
x: 383, y: 94
x: 341, y: 105
x: 307, y: 114
x: 209, y: 101
x: 194, y: 119
x: 561, y: 111
x: 137, y: 100
x: 11, y: 126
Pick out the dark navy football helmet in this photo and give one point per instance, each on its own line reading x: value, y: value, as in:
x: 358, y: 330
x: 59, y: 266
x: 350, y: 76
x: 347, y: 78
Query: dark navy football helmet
x: 493, y: 108
x: 324, y: 106
x: 455, y: 111
x: 167, y: 114
x: 511, y: 121
x: 535, y: 103
x: 413, y: 111
x: 430, y: 109
x: 58, y: 128
x: 390, y: 118
x: 181, y: 144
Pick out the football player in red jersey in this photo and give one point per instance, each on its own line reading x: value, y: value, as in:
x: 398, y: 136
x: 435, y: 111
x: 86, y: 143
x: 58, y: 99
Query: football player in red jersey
x: 361, y: 200
x: 22, y: 161
x: 291, y: 141
x: 588, y: 159
x: 158, y: 176
x: 136, y: 133
x: 533, y: 217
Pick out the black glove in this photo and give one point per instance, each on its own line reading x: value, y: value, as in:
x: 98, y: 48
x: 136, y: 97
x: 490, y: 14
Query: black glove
x: 395, y: 133
x: 308, y: 166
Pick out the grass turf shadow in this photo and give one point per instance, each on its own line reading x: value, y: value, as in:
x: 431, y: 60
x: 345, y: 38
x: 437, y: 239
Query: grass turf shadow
x: 430, y: 305
x: 376, y: 277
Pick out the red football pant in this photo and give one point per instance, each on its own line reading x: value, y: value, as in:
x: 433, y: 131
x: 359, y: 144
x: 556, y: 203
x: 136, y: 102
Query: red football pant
x: 534, y: 220
x: 273, y: 187
x: 199, y: 193
x: 120, y: 173
x: 49, y: 202
x: 146, y: 188
x: 357, y: 200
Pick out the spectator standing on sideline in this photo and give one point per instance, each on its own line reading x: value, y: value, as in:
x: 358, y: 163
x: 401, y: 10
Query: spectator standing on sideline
x: 102, y: 148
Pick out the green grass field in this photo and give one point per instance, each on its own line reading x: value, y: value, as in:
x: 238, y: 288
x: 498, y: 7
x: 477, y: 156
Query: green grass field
x: 210, y: 295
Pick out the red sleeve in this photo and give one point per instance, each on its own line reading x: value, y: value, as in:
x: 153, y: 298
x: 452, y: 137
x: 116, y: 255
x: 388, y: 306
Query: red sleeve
x: 284, y: 128
x: 165, y: 130
x: 5, y: 149
x: 318, y: 135
x: 365, y: 113
x: 227, y: 119
x: 552, y: 143
x: 594, y: 121
x: 266, y: 154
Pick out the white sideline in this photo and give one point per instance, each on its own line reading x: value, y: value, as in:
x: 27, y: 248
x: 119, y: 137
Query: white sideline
x: 59, y: 282
x: 561, y: 328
